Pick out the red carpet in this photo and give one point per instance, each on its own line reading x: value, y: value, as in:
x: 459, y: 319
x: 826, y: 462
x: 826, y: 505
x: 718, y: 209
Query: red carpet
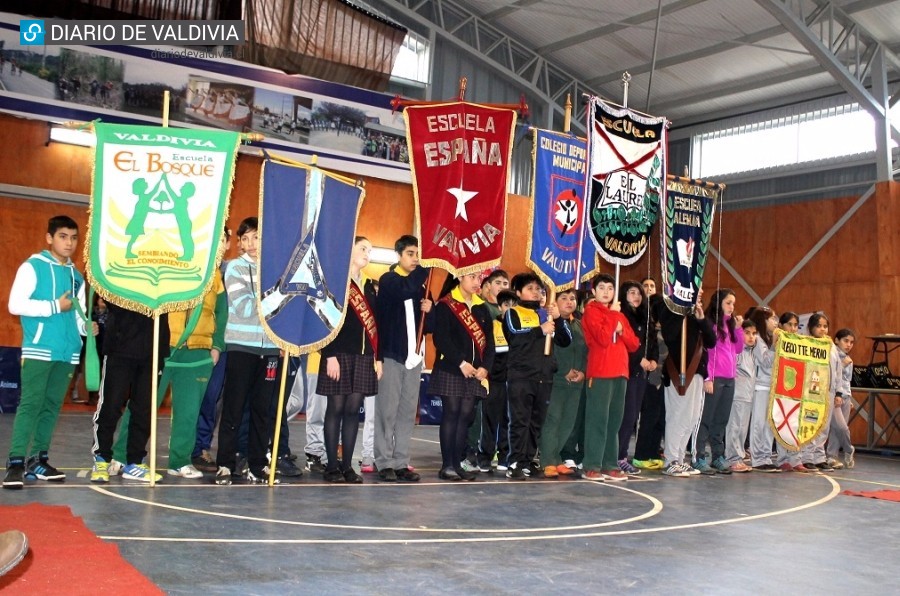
x: 65, y: 557
x: 884, y: 495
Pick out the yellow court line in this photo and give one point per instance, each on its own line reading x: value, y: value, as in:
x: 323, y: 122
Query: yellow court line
x: 848, y: 479
x: 657, y: 507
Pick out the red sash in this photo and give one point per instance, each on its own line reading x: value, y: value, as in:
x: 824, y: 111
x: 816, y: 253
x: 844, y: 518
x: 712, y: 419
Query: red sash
x: 464, y: 315
x: 365, y: 315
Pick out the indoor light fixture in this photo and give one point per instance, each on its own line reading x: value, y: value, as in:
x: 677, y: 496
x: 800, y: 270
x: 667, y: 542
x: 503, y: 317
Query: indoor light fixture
x: 382, y: 256
x: 71, y: 136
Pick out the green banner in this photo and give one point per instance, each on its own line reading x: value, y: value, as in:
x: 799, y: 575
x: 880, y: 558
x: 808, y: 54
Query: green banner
x: 158, y: 206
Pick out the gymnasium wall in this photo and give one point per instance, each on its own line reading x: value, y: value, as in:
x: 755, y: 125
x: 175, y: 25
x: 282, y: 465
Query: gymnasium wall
x: 854, y: 278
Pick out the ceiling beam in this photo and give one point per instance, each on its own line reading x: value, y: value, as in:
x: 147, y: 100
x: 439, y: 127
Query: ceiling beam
x: 750, y: 39
x: 507, y: 10
x: 828, y: 61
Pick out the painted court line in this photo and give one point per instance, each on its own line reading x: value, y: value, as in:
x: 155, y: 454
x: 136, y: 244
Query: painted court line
x: 654, y: 510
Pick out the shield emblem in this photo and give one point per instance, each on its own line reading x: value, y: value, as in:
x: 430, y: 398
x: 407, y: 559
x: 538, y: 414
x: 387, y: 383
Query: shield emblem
x: 800, y: 399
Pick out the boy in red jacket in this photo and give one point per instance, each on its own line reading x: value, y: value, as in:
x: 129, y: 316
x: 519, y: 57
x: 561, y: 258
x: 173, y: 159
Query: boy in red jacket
x: 609, y: 339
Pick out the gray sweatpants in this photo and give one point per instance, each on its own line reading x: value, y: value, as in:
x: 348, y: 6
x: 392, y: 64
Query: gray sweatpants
x: 395, y: 413
x: 736, y: 430
x: 315, y: 419
x: 761, y: 436
x: 368, y: 450
x: 683, y: 414
x: 814, y: 451
x: 839, y: 434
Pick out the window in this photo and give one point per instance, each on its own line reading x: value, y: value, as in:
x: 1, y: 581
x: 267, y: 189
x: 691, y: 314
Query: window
x: 413, y: 61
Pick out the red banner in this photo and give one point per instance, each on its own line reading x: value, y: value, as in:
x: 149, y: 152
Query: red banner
x: 459, y: 155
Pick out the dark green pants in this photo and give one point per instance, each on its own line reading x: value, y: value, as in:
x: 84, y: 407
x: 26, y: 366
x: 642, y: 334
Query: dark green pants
x: 560, y: 421
x: 43, y: 389
x: 604, y: 407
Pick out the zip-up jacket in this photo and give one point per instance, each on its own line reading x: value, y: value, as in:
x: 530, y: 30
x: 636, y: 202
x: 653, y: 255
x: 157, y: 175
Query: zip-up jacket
x: 607, y: 359
x: 209, y: 332
x: 526, y: 361
x: 129, y: 334
x: 47, y: 333
x: 244, y: 332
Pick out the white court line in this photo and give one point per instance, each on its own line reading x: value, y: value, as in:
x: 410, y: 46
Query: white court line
x: 834, y: 492
x: 657, y: 507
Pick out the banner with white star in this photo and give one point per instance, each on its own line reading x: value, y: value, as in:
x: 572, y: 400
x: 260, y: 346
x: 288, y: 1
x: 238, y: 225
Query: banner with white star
x: 557, y: 215
x: 459, y: 157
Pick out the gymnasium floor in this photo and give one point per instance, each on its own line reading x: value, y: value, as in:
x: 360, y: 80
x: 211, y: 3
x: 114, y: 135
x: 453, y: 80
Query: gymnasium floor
x: 740, y: 534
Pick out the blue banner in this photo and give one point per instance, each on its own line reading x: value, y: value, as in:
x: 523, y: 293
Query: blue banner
x: 558, y: 210
x: 685, y: 239
x: 307, y: 225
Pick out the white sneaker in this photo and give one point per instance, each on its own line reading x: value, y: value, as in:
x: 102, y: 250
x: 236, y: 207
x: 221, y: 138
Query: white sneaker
x: 223, y: 476
x: 677, y: 470
x: 115, y: 468
x: 187, y: 471
x: 849, y: 460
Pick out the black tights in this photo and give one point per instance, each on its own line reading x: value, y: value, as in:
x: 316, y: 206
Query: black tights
x: 342, y: 409
x: 455, y: 428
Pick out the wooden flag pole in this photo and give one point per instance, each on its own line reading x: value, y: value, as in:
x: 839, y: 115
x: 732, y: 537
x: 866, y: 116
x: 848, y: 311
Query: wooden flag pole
x: 567, y: 118
x: 273, y: 460
x: 463, y: 82
x: 154, y: 380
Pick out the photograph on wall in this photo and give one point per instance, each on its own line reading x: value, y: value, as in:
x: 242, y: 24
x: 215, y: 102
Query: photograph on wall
x: 222, y: 105
x: 282, y: 115
x: 143, y: 90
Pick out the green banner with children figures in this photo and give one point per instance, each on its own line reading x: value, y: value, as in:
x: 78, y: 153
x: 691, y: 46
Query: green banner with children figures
x: 799, y: 401
x: 158, y: 205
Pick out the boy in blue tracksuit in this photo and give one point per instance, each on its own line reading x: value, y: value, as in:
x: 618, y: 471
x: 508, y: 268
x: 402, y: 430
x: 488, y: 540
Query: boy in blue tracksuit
x: 43, y: 295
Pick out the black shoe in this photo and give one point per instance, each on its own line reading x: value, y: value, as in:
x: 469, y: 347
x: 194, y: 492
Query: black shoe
x: 484, y: 466
x: 388, y: 475
x: 811, y: 467
x: 333, y: 476
x: 407, y: 475
x: 242, y: 466
x: 205, y: 462
x: 770, y: 468
x: 449, y: 473
x: 351, y: 477
x: 15, y: 474
x: 287, y: 468
x: 824, y: 467
x: 41, y: 469
x: 516, y: 473
x: 468, y: 476
x: 314, y: 463
x: 259, y: 476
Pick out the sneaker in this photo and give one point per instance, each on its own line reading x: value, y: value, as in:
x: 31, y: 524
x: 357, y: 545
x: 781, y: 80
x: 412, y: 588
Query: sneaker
x: 824, y: 467
x: 287, y: 468
x: 242, y: 466
x: 387, y: 475
x: 594, y: 476
x: 314, y: 463
x: 187, y: 471
x: 502, y: 468
x: 116, y: 467
x: 139, y: 472
x: 835, y: 464
x: 627, y: 468
x: 810, y: 467
x: 786, y: 467
x: 100, y: 470
x: 647, y: 464
x: 721, y: 465
x: 691, y: 470
x: 333, y: 476
x: 740, y: 467
x: 849, y: 459
x: 551, y: 472
x: 614, y: 475
x: 223, y: 476
x: 485, y: 467
x: 516, y: 473
x: 368, y: 468
x: 563, y: 470
x: 407, y: 475
x: 768, y: 468
x: 260, y: 476
x: 468, y: 466
x: 15, y: 474
x: 702, y: 466
x: 676, y: 470
x: 533, y: 470
x: 803, y: 469
x: 351, y: 477
x: 41, y: 469
x: 205, y: 462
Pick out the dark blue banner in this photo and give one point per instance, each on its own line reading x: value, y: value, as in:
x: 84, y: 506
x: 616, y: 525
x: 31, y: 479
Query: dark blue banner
x: 558, y: 210
x: 307, y: 224
x: 10, y: 391
x: 685, y: 239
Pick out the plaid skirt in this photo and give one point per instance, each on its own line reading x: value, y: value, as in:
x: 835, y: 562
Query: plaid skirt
x: 357, y: 376
x: 444, y: 384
